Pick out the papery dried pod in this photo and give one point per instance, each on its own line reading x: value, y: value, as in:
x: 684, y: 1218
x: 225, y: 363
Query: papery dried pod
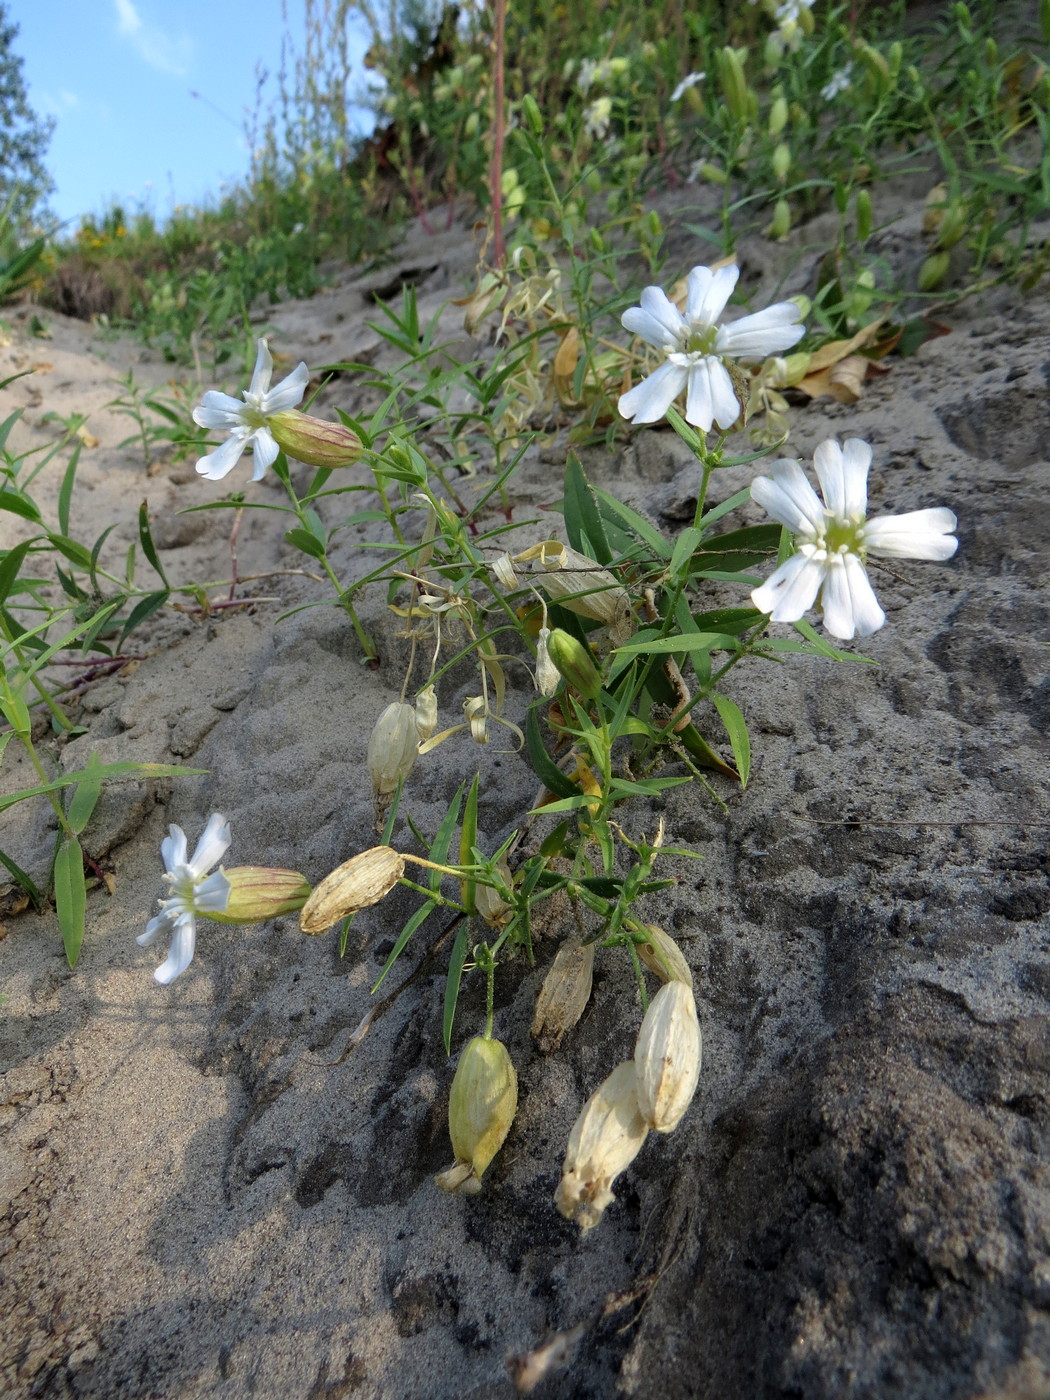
x: 392, y: 751
x: 667, y: 1056
x: 548, y: 677
x: 580, y: 584
x: 491, y: 906
x: 662, y: 955
x: 481, y: 1108
x: 605, y: 1139
x: 363, y: 880
x: 426, y: 712
x: 564, y: 995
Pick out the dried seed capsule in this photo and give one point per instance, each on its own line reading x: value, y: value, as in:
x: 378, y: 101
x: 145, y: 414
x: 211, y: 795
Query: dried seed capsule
x: 580, y: 584
x: 392, y: 751
x: 547, y: 677
x: 667, y: 1056
x: 565, y: 992
x: 481, y: 1108
x: 259, y: 892
x: 490, y: 904
x: 315, y: 441
x: 357, y: 883
x: 426, y: 712
x: 605, y: 1139
x: 662, y: 955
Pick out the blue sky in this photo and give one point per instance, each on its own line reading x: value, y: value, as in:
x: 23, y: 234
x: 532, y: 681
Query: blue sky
x: 118, y: 77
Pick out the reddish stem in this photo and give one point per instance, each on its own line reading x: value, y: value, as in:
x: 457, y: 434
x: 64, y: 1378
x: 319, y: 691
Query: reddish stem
x: 496, y: 179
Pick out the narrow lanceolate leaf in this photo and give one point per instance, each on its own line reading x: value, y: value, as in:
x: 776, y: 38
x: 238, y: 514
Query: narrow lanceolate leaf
x: 468, y: 837
x: 149, y: 549
x: 455, y: 975
x: 736, y: 728
x: 85, y: 796
x: 70, y: 896
x: 583, y: 521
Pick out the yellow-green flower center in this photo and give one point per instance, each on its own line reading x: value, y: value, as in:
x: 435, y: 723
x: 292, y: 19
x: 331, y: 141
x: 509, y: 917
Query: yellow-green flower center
x: 702, y: 342
x: 841, y: 534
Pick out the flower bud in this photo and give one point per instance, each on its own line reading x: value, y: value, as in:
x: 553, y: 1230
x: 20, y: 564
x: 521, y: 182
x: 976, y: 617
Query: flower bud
x: 933, y: 271
x: 531, y: 112
x: 481, y: 1108
x: 605, y: 1139
x: 778, y: 116
x: 392, y: 748
x: 363, y: 880
x: 565, y: 992
x: 662, y: 955
x: 667, y: 1056
x: 780, y: 224
x: 315, y: 441
x: 573, y: 661
x: 863, y: 215
x: 781, y: 160
x: 730, y: 63
x: 259, y: 892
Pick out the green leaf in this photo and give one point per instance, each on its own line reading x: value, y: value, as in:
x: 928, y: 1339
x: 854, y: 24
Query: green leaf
x: 684, y: 546
x: 70, y: 896
x: 636, y: 523
x: 85, y: 795
x: 403, y: 938
x: 21, y: 505
x: 737, y: 550
x: 548, y: 772
x: 149, y: 549
x: 73, y: 551
x: 10, y: 566
x: 143, y: 609
x: 305, y: 541
x: 455, y: 975
x: 645, y: 787
x: 17, y: 873
x: 65, y: 491
x: 689, y: 641
x: 468, y: 837
x: 736, y: 728
x: 583, y: 521
x: 442, y: 843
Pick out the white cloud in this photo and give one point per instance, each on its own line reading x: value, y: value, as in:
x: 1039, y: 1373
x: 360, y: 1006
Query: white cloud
x: 154, y: 47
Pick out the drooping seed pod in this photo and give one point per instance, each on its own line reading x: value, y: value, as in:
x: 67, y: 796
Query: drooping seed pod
x: 363, y: 880
x: 564, y: 995
x: 580, y: 584
x: 667, y: 1056
x: 481, y: 1108
x: 662, y: 955
x: 315, y: 441
x: 259, y: 892
x: 547, y: 676
x: 392, y: 751
x: 605, y: 1139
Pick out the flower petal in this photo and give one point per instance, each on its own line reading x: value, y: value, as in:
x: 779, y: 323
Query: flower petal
x: 920, y: 534
x: 180, y: 954
x: 788, y: 497
x: 856, y: 460
x: 657, y: 320
x: 791, y: 591
x: 763, y: 333
x: 707, y: 293
x: 288, y: 392
x: 212, y: 894
x: 161, y: 923
x: 173, y: 848
x: 850, y: 606
x: 213, y: 845
x: 264, y: 452
x: 222, y: 461
x: 648, y: 401
x: 217, y: 410
x: 262, y: 373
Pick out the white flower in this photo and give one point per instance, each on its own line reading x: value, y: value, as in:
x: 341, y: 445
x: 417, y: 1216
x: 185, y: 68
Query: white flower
x: 838, y: 82
x: 690, y: 80
x: 193, y: 892
x: 597, y: 116
x: 696, y: 348
x: 834, y: 538
x: 248, y: 423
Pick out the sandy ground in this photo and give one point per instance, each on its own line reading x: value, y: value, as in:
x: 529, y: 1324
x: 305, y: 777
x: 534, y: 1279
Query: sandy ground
x: 202, y: 1194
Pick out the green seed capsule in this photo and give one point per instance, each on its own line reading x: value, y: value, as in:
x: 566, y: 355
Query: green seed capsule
x: 481, y: 1108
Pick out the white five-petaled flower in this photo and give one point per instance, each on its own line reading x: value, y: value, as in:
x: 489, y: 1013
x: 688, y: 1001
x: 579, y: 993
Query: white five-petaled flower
x: 838, y: 82
x: 834, y: 537
x: 247, y: 422
x: 193, y: 892
x: 697, y: 348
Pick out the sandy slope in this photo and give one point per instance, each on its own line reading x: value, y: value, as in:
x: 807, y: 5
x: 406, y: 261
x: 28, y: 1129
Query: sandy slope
x: 202, y: 1196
